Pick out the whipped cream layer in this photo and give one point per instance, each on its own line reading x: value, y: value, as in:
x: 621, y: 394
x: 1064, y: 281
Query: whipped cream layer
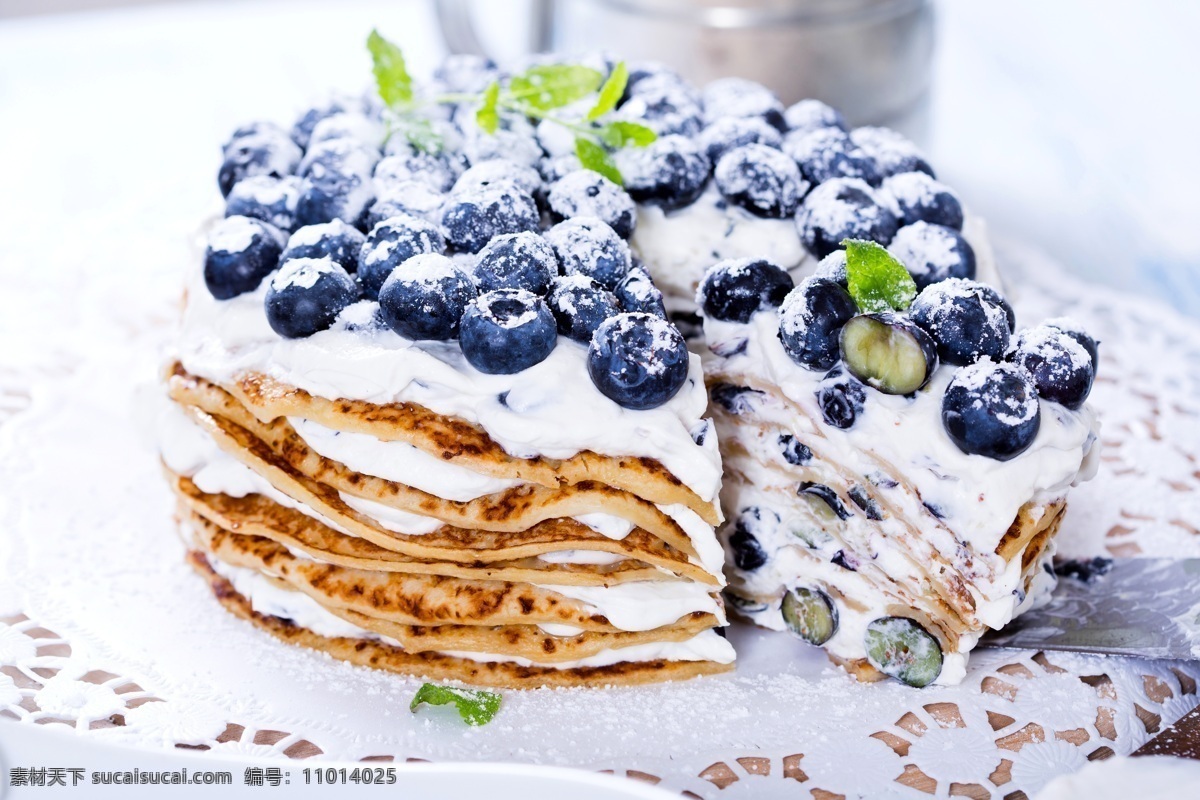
x: 551, y: 409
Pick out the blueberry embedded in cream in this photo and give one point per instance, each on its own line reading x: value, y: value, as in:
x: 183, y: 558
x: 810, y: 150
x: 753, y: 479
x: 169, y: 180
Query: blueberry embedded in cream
x: 670, y: 173
x: 810, y: 614
x: 737, y: 289
x: 901, y: 648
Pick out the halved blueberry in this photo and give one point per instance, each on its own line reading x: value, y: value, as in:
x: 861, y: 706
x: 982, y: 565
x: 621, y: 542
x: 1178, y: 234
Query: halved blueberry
x: 825, y: 495
x: 736, y: 289
x: 794, y: 451
x: 516, y: 261
x: 638, y: 361
x: 587, y: 246
x: 811, y: 319
x: 1062, y: 368
x: 306, y: 295
x: 889, y: 352
x: 991, y: 410
x: 425, y: 297
x: 933, y: 253
x: 257, y: 149
x: 584, y: 193
x: 810, y: 114
x: 390, y: 244
x: 901, y: 648
x: 810, y: 614
x: 579, y: 305
x: 761, y: 180
x: 916, y: 196
x: 241, y: 252
x: 472, y: 219
x: 335, y: 239
x: 506, y: 331
x: 726, y: 133
x: 671, y: 172
x: 637, y: 292
x: 841, y: 398
x: 891, y: 152
x: 826, y: 153
x: 963, y: 319
x: 843, y: 208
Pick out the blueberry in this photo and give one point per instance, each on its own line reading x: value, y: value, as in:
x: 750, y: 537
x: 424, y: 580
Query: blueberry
x: 506, y: 331
x: 810, y: 320
x: 671, y: 172
x: 241, y: 252
x: 736, y: 289
x: 587, y: 246
x: 638, y: 361
x: 555, y: 168
x: 810, y: 614
x: 841, y: 398
x: 827, y: 497
x: 1076, y: 332
x: 1062, y: 368
x: 748, y: 554
x: 390, y: 244
x: 843, y: 208
x: 761, y: 180
x: 864, y: 501
x: 990, y: 294
x: 963, y: 319
x: 335, y: 240
x: 916, y: 196
x: 794, y: 451
x: 348, y: 125
x: 426, y: 297
x: 737, y: 400
x: 516, y: 261
x: 637, y: 292
x: 579, y: 305
x: 809, y: 115
x: 891, y: 152
x: 257, y: 149
x: 991, y: 410
x: 584, y: 193
x: 665, y: 106
x: 499, y: 171
x: 303, y: 128
x: 267, y: 198
x: 741, y: 98
x: 306, y: 295
x: 900, y: 648
x: 465, y: 73
x: 889, y: 352
x: 827, y: 153
x: 339, y: 184
x: 727, y: 133
x: 472, y: 219
x: 407, y: 198
x: 833, y: 268
x: 437, y: 171
x: 933, y: 253
x: 514, y: 141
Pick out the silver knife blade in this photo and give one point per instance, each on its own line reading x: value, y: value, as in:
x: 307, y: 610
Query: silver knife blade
x: 1143, y: 607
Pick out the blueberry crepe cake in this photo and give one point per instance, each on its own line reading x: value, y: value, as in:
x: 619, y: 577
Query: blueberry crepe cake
x: 434, y: 409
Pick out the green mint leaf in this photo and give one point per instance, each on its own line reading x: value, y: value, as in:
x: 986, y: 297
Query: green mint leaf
x: 877, y: 281
x: 550, y: 86
x: 391, y: 73
x: 488, y: 117
x: 610, y: 92
x: 622, y: 132
x: 475, y: 706
x: 594, y: 157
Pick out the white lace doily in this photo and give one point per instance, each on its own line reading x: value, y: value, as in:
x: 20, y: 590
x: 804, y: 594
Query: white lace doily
x: 104, y: 630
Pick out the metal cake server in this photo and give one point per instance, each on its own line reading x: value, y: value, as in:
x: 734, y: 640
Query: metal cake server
x: 1143, y: 607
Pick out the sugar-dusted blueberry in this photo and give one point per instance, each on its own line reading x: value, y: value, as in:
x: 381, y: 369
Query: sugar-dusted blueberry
x: 579, y: 305
x: 338, y: 183
x: 811, y: 319
x: 891, y: 151
x: 438, y: 171
x: 933, y: 253
x: 390, y: 244
x: 516, y: 261
x: 506, y: 331
x: 1076, y: 331
x: 499, y: 171
x: 465, y: 73
x: 416, y: 198
x: 425, y: 298
x: 335, y: 239
x: 915, y: 196
x: 735, y: 289
x: 748, y: 552
x: 241, y: 252
x: 761, y: 180
x: 355, y: 125
x: 637, y: 292
x: 827, y: 153
x: 841, y: 398
x: 306, y: 295
x: 555, y: 168
x: 515, y: 140
x: 638, y: 361
x: 902, y: 649
x: 741, y: 98
x: 257, y: 149
x: 584, y: 193
x: 991, y: 409
x: 842, y: 208
x: 889, y: 352
x: 726, y: 133
x: 664, y: 105
x: 833, y: 268
x: 964, y: 319
x: 1062, y: 368
x: 267, y: 198
x: 810, y: 114
x: 671, y: 172
x: 303, y: 127
x: 794, y: 451
x: 472, y: 219
x: 587, y: 246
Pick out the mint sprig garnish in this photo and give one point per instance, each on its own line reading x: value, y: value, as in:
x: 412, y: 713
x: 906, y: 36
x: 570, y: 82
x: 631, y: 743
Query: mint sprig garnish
x: 876, y: 280
x: 537, y: 93
x: 475, y: 706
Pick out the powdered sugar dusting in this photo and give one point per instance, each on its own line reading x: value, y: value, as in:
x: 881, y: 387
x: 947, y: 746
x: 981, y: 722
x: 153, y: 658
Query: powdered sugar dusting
x: 303, y: 272
x: 234, y: 234
x: 982, y: 379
